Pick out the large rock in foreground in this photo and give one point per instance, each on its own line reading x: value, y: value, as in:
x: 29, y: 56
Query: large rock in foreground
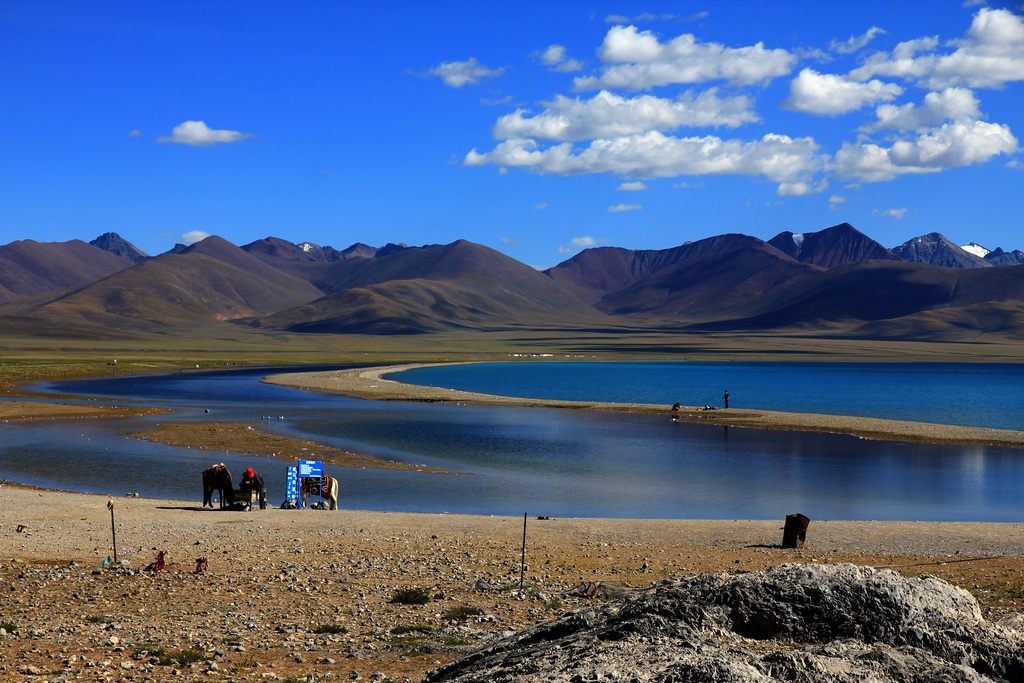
x: 833, y: 623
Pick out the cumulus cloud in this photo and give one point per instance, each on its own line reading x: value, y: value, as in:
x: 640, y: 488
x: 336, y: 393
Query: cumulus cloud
x: 194, y: 236
x: 830, y: 95
x: 578, y: 243
x: 990, y: 56
x: 469, y: 72
x: 779, y: 158
x: 890, y: 213
x: 624, y: 208
x: 951, y: 145
x: 136, y: 133
x: 608, y: 115
x: 634, y: 186
x: 198, y: 134
x: 638, y: 60
x: 854, y: 43
x: 555, y: 57
x: 836, y: 202
x: 952, y: 104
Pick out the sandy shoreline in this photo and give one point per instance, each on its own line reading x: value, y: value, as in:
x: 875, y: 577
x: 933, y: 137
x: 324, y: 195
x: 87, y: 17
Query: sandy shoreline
x: 370, y: 383
x: 291, y: 592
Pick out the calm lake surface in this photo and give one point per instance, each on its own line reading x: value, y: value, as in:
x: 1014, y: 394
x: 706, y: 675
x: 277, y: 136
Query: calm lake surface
x: 557, y: 462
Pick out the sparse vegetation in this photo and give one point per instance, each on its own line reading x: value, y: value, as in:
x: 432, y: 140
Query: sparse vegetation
x: 96, y: 619
x: 8, y: 626
x: 411, y: 596
x: 169, y: 658
x: 462, y: 612
x: 334, y: 629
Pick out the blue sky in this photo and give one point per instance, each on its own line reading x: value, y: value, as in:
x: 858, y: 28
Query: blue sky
x: 536, y: 128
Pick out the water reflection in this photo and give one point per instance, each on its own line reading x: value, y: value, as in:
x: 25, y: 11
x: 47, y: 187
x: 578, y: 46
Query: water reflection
x: 515, y: 460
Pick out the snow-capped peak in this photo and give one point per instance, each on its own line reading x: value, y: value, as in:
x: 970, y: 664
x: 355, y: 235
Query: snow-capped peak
x: 976, y: 249
x: 798, y: 239
x: 308, y: 247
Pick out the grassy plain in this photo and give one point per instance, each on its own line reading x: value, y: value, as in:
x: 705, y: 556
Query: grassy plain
x: 29, y: 359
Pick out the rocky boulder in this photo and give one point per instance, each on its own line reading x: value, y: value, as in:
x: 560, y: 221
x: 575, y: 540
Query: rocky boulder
x: 833, y: 623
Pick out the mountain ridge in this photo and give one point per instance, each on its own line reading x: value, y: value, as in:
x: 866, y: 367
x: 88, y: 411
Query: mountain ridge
x: 837, y: 281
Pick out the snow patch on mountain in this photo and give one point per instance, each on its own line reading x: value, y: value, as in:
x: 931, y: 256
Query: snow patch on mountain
x: 976, y: 249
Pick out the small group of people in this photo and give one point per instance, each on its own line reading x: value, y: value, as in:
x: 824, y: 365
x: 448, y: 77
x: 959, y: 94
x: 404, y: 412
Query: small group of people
x: 725, y: 398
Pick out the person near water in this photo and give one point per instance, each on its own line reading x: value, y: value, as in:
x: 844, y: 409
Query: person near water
x: 252, y: 481
x: 725, y: 397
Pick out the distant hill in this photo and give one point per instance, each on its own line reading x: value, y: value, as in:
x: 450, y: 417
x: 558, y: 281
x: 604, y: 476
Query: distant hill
x: 835, y: 282
x: 29, y: 268
x: 210, y: 281
x: 934, y: 249
x: 117, y: 245
x: 415, y: 290
x: 839, y: 245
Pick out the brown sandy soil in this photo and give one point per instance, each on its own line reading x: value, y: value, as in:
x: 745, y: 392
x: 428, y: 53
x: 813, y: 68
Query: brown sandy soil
x: 240, y: 437
x: 32, y: 410
x: 370, y: 383
x: 294, y: 593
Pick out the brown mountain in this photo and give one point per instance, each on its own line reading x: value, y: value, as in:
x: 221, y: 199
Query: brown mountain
x: 707, y: 279
x: 209, y: 281
x: 421, y: 289
x: 936, y: 250
x: 28, y: 268
x: 885, y: 299
x: 836, y: 246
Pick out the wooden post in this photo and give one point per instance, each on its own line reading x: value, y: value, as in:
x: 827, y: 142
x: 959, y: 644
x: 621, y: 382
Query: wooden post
x: 522, y: 567
x: 795, y: 532
x: 113, y: 529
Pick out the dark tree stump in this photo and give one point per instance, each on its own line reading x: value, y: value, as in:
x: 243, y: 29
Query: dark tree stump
x: 795, y: 532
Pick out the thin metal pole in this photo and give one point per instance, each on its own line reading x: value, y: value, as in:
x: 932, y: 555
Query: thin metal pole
x: 522, y: 568
x: 113, y: 530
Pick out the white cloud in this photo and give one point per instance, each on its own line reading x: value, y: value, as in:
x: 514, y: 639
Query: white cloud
x: 952, y: 104
x: 136, y: 133
x: 854, y: 43
x: 198, y: 134
x: 836, y: 202
x: 510, y: 240
x: 554, y: 57
x: 541, y: 206
x: 578, y: 243
x: 951, y: 145
x: 830, y: 95
x: 653, y: 155
x: 990, y: 56
x: 635, y: 186
x: 688, y: 186
x: 194, y: 236
x: 608, y: 115
x: 890, y: 213
x: 469, y: 72
x: 623, y: 208
x: 800, y: 189
x: 637, y: 60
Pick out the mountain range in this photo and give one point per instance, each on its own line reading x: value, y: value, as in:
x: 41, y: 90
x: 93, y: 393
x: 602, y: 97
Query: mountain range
x: 833, y: 282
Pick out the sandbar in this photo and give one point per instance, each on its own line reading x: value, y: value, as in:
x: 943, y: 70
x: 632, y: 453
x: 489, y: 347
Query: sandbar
x: 371, y: 383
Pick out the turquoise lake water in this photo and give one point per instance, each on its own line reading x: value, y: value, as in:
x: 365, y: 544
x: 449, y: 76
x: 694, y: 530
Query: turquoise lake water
x: 978, y: 395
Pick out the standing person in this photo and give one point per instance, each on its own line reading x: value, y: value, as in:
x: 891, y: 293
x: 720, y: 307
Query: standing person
x: 725, y: 397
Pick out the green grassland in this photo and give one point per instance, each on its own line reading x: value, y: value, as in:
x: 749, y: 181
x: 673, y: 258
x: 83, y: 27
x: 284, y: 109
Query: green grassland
x: 30, y: 358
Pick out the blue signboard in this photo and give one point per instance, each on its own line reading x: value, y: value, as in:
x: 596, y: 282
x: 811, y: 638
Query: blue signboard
x: 292, y: 487
x: 311, y: 468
